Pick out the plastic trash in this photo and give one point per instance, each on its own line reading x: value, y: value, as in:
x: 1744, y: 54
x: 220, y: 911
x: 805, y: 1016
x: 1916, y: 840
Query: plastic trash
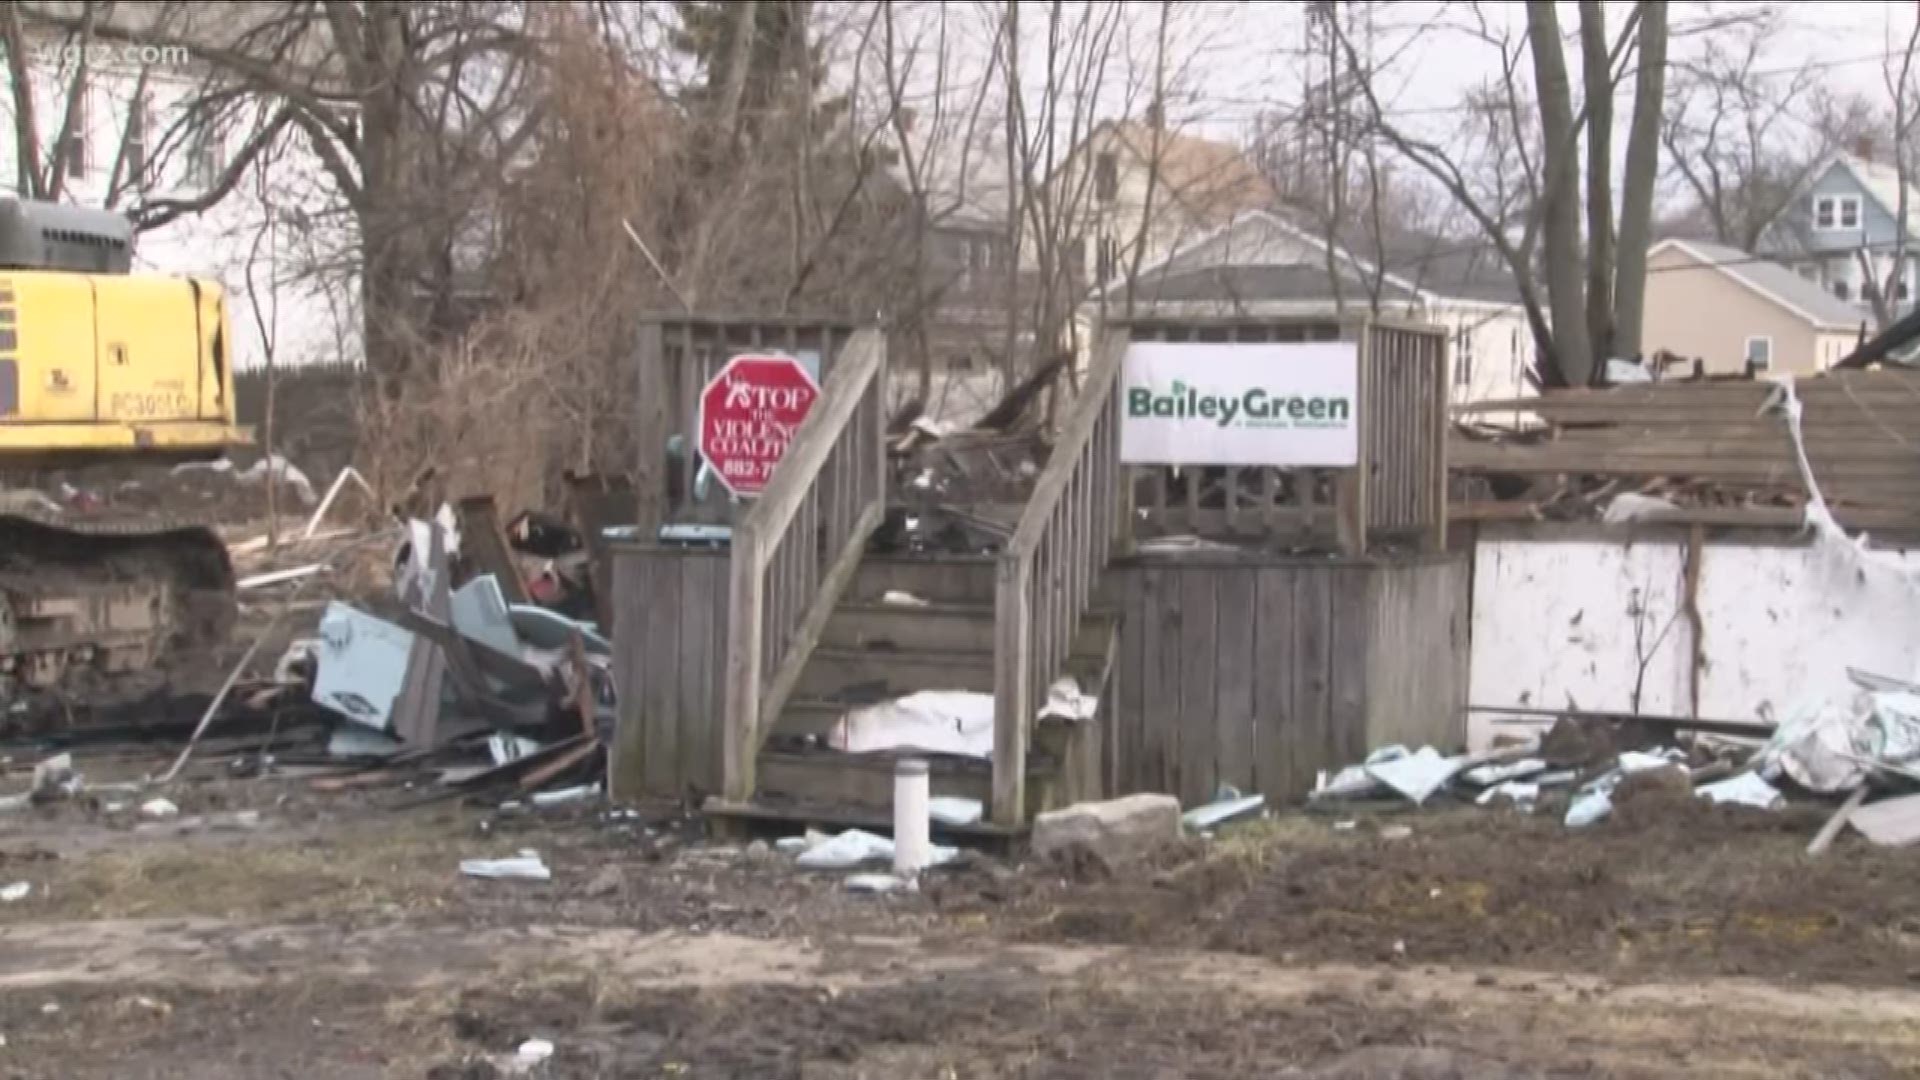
x: 1214, y: 814
x: 874, y: 884
x: 533, y: 1052
x: 1590, y: 807
x: 1522, y: 794
x: 1418, y: 775
x: 952, y: 810
x: 856, y: 847
x: 159, y: 809
x: 1747, y: 789
x: 16, y: 892
x: 526, y: 866
x: 1489, y: 775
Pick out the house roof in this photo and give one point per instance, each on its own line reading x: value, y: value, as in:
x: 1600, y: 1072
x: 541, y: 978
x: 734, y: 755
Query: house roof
x: 1261, y: 241
x: 1774, y: 282
x: 1254, y: 284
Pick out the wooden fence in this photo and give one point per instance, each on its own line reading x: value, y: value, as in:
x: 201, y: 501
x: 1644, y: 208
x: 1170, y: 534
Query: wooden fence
x: 1256, y: 673
x: 670, y: 666
x: 1260, y: 672
x: 1397, y: 491
x: 676, y: 357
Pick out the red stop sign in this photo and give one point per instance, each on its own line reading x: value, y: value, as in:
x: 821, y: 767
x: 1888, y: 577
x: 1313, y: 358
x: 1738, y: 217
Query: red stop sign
x: 749, y: 414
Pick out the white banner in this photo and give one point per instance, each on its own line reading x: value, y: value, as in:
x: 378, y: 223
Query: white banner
x: 1241, y: 404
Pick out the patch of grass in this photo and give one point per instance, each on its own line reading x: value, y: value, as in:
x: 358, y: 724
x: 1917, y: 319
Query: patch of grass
x: 400, y: 864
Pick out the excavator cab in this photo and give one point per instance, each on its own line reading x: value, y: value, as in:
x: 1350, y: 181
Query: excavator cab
x: 98, y: 361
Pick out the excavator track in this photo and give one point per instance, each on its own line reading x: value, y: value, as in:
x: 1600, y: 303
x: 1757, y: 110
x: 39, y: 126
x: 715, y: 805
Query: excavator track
x: 101, y: 611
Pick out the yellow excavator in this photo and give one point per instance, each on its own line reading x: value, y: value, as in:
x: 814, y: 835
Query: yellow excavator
x: 102, y: 368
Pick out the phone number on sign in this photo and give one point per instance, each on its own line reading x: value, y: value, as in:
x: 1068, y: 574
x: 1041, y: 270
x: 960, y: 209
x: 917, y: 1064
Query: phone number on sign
x: 105, y: 54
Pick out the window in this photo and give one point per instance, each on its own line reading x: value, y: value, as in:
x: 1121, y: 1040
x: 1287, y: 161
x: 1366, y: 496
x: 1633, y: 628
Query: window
x: 1842, y: 289
x: 1759, y: 354
x: 1463, y: 357
x: 1107, y: 260
x: 73, y: 148
x: 206, y: 158
x: 135, y: 151
x: 1836, y: 212
x: 1106, y: 177
x: 1809, y: 271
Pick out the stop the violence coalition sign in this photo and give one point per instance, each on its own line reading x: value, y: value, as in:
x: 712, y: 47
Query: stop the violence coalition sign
x: 749, y: 415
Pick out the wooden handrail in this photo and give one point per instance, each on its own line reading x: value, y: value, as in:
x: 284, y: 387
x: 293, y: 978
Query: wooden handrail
x: 796, y: 550
x: 1047, y: 572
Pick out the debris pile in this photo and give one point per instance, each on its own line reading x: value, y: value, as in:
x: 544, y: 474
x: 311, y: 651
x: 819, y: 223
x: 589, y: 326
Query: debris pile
x: 1710, y: 452
x: 1590, y: 767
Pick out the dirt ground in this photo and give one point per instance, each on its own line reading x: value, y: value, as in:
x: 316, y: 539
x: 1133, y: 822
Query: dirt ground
x: 273, y: 930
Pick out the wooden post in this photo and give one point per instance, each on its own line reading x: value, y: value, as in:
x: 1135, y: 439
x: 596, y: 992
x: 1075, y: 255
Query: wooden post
x: 1441, y: 414
x: 1124, y: 542
x: 1352, y: 509
x: 651, y: 430
x: 741, y: 738
x: 1013, y: 669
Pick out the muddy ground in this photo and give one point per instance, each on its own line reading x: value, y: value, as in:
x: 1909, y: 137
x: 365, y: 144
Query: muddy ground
x: 274, y: 930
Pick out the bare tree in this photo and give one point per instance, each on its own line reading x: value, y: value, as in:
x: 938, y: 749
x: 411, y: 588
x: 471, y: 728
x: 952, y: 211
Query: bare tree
x: 1744, y: 137
x: 1550, y: 211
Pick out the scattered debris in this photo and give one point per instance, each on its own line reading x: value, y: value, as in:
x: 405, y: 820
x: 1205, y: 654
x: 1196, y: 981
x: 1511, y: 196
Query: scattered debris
x: 929, y: 722
x: 16, y: 892
x: 1890, y: 822
x: 857, y: 847
x: 955, y: 811
x: 874, y: 884
x: 526, y: 866
x: 563, y: 796
x: 159, y: 809
x: 903, y: 599
x: 1228, y: 805
x: 1066, y: 702
x: 1747, y: 789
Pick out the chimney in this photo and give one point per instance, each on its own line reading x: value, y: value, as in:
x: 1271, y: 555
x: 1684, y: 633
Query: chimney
x: 1863, y: 147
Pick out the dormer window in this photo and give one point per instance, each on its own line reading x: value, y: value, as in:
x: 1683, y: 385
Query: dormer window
x: 1836, y: 213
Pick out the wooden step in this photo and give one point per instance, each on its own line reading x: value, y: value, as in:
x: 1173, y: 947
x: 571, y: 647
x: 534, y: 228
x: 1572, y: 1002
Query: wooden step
x: 959, y: 579
x: 945, y: 626
x: 864, y: 676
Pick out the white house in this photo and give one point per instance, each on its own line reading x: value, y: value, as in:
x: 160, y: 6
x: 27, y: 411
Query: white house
x: 1260, y: 263
x: 276, y: 242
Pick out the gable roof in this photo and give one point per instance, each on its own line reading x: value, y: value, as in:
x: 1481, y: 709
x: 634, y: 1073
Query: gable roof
x: 1882, y: 183
x: 1772, y: 281
x: 1417, y: 267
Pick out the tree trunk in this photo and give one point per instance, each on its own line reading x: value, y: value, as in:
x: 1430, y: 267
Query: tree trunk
x: 386, y: 257
x: 1566, y: 294
x: 26, y: 127
x: 1636, y: 196
x: 1597, y: 72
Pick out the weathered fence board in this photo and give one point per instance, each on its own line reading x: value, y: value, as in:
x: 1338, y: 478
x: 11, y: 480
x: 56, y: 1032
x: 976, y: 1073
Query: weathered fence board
x: 670, y: 633
x: 1259, y: 674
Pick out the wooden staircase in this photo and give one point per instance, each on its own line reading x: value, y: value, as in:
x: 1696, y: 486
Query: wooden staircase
x: 873, y: 650
x: 812, y: 634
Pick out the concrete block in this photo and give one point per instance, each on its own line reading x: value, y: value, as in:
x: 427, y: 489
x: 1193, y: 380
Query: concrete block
x: 1114, y: 829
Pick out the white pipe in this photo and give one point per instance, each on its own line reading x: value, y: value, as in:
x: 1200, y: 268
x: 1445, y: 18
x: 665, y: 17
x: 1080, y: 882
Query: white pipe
x: 912, y: 845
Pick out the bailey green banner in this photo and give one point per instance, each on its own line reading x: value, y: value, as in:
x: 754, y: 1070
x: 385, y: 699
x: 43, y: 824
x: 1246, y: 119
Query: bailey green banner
x: 1240, y: 404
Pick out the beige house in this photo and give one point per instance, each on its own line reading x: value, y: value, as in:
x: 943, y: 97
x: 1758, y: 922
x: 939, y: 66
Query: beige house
x: 1181, y: 185
x: 1732, y: 310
